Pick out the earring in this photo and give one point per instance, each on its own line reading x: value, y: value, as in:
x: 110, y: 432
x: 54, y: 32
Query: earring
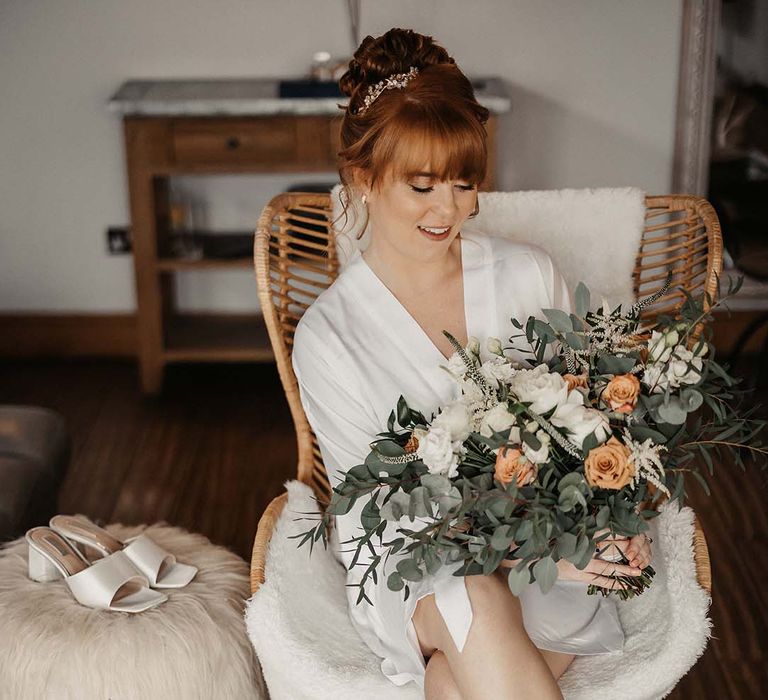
x: 365, y: 199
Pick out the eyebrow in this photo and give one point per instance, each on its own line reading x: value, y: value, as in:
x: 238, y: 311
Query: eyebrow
x: 422, y: 174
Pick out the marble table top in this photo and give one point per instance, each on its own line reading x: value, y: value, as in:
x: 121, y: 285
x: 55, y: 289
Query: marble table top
x: 259, y: 96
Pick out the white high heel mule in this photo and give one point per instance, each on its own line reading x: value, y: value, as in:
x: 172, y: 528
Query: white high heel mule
x: 111, y: 583
x: 159, y: 566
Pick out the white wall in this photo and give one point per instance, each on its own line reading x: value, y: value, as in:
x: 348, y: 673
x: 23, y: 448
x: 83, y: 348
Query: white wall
x: 592, y: 83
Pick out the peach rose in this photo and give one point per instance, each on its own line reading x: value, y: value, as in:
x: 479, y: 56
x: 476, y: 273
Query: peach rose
x: 512, y: 464
x: 576, y: 380
x: 622, y: 392
x: 608, y: 466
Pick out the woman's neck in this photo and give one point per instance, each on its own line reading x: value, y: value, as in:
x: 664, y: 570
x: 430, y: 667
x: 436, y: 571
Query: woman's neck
x: 409, y: 277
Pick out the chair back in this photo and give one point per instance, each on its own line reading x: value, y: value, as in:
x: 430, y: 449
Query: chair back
x: 295, y: 260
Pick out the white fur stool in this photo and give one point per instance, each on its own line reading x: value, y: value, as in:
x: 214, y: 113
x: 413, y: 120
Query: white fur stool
x: 194, y: 645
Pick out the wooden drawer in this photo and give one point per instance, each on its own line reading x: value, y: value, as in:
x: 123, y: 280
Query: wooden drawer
x: 265, y: 143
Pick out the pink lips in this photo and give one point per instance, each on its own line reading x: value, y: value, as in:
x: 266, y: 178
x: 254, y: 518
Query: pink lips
x: 435, y: 236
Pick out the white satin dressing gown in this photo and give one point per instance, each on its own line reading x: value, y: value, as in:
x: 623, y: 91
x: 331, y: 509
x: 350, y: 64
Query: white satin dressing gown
x: 356, y: 349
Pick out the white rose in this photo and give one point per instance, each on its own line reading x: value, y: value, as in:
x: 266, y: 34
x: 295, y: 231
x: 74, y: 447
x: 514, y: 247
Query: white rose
x: 455, y: 419
x: 657, y: 348
x: 655, y: 378
x: 497, y: 419
x: 703, y: 350
x: 497, y: 368
x: 473, y: 346
x: 580, y: 421
x: 671, y: 338
x: 436, y: 451
x: 542, y: 454
x: 679, y: 372
x: 544, y: 389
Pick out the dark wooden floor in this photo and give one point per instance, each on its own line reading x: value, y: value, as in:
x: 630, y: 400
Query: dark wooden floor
x: 218, y: 445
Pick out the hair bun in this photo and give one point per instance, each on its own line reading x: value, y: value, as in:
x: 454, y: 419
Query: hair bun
x: 393, y: 52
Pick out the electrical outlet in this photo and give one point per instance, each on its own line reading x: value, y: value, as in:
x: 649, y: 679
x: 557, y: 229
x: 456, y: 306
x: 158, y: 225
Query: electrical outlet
x: 118, y: 240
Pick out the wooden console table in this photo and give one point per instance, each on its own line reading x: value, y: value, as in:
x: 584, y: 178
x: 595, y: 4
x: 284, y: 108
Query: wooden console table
x: 218, y: 127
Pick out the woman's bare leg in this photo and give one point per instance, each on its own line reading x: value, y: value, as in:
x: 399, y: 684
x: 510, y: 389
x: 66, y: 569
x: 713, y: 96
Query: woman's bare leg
x: 439, y: 683
x: 498, y: 656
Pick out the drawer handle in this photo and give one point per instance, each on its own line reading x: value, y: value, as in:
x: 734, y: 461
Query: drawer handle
x: 233, y: 142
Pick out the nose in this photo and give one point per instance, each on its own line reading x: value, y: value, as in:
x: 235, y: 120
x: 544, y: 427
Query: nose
x: 445, y: 204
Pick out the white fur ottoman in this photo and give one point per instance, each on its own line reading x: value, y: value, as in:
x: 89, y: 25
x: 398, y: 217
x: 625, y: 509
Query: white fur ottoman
x: 299, y: 625
x: 192, y: 646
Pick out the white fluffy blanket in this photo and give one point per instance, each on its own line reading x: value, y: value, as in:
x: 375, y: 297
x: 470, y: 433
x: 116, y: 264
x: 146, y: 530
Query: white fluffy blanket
x: 192, y: 647
x: 300, y: 628
x: 593, y: 235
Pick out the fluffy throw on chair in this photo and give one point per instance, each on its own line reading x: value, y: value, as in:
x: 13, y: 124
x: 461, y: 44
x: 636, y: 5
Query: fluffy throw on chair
x: 593, y: 235
x: 300, y: 628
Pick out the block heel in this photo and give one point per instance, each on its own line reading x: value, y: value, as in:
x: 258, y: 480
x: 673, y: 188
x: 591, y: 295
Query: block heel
x: 41, y: 568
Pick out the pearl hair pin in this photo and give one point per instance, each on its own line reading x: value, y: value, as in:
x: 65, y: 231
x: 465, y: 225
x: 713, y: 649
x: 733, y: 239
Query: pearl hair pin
x: 399, y: 80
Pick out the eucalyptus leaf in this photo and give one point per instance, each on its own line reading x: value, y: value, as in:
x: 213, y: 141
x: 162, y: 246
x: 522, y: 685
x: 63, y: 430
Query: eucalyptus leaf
x: 502, y: 538
x: 395, y: 507
x: 545, y: 572
x: 566, y: 544
x: 608, y: 364
x: 581, y: 299
x: 559, y: 320
x: 602, y: 517
x: 691, y: 399
x: 370, y: 516
x: 419, y: 506
x: 436, y: 484
x: 672, y: 413
x: 642, y: 433
x: 340, y: 505
x: 577, y: 342
x: 409, y: 570
x: 395, y: 582
x: 403, y: 413
x: 518, y: 580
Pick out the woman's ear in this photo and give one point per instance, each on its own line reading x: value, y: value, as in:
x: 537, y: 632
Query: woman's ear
x: 361, y: 181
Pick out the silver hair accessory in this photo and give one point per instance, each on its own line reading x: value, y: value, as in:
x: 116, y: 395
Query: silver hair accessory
x: 399, y: 80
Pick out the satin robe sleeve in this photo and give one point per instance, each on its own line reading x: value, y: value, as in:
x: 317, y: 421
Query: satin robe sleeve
x: 339, y: 418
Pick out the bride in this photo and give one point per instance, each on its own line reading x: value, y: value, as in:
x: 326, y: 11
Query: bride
x: 414, y: 152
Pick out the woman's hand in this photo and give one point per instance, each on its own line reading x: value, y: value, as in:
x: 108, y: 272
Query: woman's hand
x: 636, y: 549
x: 598, y: 571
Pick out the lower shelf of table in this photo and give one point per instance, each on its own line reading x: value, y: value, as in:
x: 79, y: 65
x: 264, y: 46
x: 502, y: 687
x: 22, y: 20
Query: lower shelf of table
x: 217, y: 338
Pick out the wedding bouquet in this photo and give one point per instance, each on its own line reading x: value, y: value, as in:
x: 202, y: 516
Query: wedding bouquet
x: 538, y: 460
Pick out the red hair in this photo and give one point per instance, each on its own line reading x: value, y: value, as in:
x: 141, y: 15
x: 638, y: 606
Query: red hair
x: 433, y: 124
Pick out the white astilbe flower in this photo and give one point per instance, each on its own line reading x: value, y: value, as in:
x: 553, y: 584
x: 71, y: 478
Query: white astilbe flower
x: 647, y: 459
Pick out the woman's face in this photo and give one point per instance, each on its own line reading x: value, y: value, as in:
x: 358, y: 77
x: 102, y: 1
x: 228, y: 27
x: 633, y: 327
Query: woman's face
x: 401, y: 209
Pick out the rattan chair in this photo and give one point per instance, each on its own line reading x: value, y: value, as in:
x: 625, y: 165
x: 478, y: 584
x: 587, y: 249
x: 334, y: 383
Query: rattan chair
x: 295, y: 259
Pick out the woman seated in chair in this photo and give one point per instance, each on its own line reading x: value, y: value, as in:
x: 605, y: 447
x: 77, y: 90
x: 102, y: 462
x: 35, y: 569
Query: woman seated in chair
x: 414, y: 151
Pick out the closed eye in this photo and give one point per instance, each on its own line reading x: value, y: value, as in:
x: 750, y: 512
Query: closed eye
x: 424, y: 190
